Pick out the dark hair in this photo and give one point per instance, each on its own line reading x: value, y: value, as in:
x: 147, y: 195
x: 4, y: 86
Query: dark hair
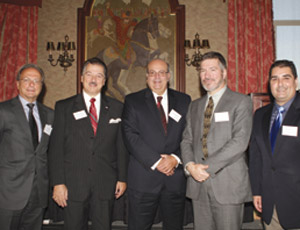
x: 215, y: 55
x: 94, y: 61
x: 284, y: 63
x: 28, y: 66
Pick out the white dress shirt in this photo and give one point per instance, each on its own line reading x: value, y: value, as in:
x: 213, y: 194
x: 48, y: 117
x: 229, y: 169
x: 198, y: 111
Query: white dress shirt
x: 87, y: 99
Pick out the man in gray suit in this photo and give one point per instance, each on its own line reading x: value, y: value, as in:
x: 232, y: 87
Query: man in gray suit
x: 213, y: 150
x: 25, y: 127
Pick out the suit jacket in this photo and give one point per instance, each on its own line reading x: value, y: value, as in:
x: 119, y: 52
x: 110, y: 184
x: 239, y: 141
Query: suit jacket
x: 277, y: 177
x: 19, y: 162
x: 81, y: 160
x: 227, y: 142
x: 145, y: 139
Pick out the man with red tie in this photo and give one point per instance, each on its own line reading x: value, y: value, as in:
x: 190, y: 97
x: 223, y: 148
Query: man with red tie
x: 153, y: 122
x: 88, y: 160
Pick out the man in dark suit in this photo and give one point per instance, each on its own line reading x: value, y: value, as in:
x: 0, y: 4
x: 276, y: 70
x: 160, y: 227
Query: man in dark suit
x: 25, y: 127
x: 213, y: 150
x: 274, y: 151
x: 87, y: 158
x: 153, y: 121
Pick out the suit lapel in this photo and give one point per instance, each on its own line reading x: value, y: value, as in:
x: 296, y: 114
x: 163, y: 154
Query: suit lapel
x: 21, y: 117
x: 84, y: 124
x: 221, y: 106
x: 291, y: 118
x: 266, y: 127
x: 200, y: 112
x: 43, y: 119
x: 171, y: 105
x: 103, y: 119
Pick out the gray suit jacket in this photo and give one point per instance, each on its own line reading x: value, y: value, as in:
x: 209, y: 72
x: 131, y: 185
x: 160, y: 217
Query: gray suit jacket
x: 227, y: 143
x: 19, y: 162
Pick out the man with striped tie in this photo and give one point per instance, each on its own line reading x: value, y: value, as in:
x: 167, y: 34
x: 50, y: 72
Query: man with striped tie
x: 87, y: 159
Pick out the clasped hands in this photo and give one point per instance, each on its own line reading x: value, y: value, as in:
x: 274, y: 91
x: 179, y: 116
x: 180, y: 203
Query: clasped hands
x: 198, y: 171
x: 167, y: 164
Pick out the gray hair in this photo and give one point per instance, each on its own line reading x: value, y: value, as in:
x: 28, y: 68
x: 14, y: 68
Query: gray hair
x: 28, y: 66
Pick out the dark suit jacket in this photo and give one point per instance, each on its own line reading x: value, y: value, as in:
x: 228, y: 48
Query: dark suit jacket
x: 19, y: 162
x: 145, y: 139
x: 277, y: 178
x: 79, y: 159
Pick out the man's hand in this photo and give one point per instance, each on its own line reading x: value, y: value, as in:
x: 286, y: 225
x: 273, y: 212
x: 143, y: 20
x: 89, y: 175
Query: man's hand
x: 257, y: 203
x: 120, y: 189
x: 60, y: 195
x: 167, y: 164
x: 198, y: 171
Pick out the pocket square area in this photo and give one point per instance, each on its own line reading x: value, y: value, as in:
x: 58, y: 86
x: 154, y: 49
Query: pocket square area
x: 114, y: 121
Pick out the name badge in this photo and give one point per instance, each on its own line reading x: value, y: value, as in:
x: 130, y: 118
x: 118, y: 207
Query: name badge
x: 80, y: 114
x: 174, y: 115
x: 222, y: 116
x: 48, y: 129
x: 288, y: 130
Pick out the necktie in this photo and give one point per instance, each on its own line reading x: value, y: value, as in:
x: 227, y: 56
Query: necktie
x: 93, y: 115
x: 162, y: 113
x: 275, y: 127
x: 33, y: 126
x: 206, y: 127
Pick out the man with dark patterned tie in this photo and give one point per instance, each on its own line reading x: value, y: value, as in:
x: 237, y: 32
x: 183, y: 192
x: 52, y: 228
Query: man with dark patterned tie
x: 274, y: 151
x: 25, y: 128
x: 214, y: 150
x: 87, y: 159
x: 153, y: 121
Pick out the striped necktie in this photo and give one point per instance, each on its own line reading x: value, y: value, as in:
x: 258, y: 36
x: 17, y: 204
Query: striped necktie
x: 93, y: 115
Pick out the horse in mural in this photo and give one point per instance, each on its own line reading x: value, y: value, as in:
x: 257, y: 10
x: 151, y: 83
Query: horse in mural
x: 141, y: 51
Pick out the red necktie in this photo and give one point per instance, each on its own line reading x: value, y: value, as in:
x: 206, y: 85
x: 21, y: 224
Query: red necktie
x: 162, y: 113
x: 93, y: 115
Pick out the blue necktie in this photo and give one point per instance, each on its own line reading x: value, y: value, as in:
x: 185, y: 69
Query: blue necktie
x: 275, y: 127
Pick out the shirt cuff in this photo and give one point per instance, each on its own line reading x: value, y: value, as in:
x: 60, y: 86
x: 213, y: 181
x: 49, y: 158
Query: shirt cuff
x: 185, y: 168
x: 177, y: 158
x: 153, y: 167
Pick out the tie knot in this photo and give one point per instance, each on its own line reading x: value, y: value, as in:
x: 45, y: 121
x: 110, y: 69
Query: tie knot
x: 92, y: 100
x: 30, y: 105
x: 281, y: 109
x: 159, y: 98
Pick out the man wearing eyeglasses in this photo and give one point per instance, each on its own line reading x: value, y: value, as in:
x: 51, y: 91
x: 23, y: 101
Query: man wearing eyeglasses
x: 153, y: 122
x: 87, y: 158
x: 25, y: 127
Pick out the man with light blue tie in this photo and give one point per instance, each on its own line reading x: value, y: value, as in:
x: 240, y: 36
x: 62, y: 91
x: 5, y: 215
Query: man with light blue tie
x: 25, y: 128
x: 274, y: 151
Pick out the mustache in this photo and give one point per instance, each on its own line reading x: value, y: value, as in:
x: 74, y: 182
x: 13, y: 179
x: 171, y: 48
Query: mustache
x: 92, y: 84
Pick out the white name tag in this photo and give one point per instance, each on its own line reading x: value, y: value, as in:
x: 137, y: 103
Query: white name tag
x: 48, y: 129
x: 80, y: 114
x: 174, y: 115
x: 222, y: 116
x: 289, y: 131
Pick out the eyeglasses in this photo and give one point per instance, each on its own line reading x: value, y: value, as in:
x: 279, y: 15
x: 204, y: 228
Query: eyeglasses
x: 98, y: 75
x: 28, y: 81
x: 160, y: 73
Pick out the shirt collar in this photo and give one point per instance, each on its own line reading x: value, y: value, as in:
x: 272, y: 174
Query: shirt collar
x: 87, y: 97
